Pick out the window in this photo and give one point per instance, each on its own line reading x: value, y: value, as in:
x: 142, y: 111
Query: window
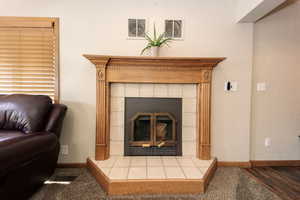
x: 136, y: 28
x: 173, y: 29
x: 29, y: 56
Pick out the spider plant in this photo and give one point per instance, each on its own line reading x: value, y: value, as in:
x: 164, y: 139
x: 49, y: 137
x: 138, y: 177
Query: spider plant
x: 156, y: 41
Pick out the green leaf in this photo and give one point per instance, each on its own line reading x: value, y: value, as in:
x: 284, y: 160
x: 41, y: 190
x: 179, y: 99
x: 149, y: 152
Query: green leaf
x: 156, y: 41
x: 160, y: 37
x: 147, y: 47
x: 148, y: 38
x: 166, y: 43
x: 154, y: 33
x: 166, y: 40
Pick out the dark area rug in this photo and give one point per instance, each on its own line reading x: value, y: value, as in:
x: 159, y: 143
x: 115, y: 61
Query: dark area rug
x: 226, y: 185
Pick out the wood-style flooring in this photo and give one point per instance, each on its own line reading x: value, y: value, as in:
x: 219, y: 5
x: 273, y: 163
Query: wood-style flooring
x: 283, y: 181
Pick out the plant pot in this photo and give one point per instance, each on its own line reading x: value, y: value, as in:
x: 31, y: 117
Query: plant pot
x: 155, y: 51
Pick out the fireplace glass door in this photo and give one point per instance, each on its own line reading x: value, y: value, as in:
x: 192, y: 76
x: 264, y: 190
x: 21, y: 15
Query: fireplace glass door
x: 142, y: 130
x: 153, y: 129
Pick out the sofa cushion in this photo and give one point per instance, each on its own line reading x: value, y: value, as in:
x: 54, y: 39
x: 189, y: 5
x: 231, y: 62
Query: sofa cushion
x: 17, y: 147
x: 26, y: 113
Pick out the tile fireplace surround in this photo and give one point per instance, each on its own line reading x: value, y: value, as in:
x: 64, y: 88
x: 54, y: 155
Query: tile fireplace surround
x: 188, y: 94
x: 186, y: 78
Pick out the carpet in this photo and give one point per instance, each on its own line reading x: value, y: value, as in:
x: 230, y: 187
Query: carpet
x: 227, y: 184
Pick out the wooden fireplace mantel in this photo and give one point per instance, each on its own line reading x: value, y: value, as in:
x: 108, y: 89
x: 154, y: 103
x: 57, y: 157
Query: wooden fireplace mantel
x: 121, y: 69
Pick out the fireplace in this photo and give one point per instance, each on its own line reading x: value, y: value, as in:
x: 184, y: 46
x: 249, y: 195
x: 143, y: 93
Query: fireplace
x: 158, y: 70
x: 153, y: 126
x: 150, y: 128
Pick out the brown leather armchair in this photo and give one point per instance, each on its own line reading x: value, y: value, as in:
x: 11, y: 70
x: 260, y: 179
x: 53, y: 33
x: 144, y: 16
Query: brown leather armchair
x: 30, y: 127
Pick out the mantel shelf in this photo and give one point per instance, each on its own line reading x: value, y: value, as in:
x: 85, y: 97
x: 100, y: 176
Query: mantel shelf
x: 197, y: 62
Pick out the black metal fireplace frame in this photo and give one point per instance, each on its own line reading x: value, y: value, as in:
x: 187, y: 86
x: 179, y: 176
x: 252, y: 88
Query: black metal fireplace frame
x: 134, y: 105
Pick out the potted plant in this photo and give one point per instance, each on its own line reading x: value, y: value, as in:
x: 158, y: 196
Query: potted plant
x: 155, y: 43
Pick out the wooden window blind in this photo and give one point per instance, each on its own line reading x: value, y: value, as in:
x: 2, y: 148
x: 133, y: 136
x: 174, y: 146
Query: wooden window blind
x: 29, y: 56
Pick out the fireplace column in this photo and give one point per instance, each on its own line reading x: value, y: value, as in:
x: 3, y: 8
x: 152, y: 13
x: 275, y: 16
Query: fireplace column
x: 203, y: 120
x: 102, y: 118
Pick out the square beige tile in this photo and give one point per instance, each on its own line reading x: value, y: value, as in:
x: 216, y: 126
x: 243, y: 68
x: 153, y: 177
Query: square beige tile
x: 154, y: 157
x: 160, y: 90
x: 117, y: 133
x: 170, y: 162
x: 192, y: 173
x: 117, y: 118
x: 189, y: 119
x: 156, y: 173
x: 138, y: 162
x: 116, y: 148
x: 186, y: 162
x: 189, y: 90
x: 106, y: 170
x: 202, y: 163
x: 146, y: 90
x: 189, y: 105
x: 168, y: 157
x: 189, y: 148
x: 188, y: 133
x: 137, y: 173
x: 117, y: 90
x: 154, y: 162
x: 174, y: 172
x: 175, y: 90
x: 119, y: 173
x: 203, y: 169
x: 117, y: 104
x: 122, y: 162
x: 132, y: 90
x: 106, y: 163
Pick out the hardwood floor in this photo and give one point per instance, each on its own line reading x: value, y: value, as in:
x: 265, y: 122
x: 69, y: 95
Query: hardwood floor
x: 283, y: 181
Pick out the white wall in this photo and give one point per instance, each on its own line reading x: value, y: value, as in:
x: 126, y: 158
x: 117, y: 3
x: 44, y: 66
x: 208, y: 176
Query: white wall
x: 252, y: 10
x: 100, y: 27
x: 276, y: 112
x: 246, y: 6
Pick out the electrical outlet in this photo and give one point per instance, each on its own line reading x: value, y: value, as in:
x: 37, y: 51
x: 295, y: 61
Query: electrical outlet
x: 267, y: 142
x: 64, y: 149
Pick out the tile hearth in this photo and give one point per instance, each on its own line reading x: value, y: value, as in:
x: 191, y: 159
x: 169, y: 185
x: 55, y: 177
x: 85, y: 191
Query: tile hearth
x: 127, y: 175
x: 153, y: 167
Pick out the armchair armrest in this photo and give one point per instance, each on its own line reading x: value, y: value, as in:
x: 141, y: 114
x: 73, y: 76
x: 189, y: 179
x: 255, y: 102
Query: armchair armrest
x: 56, y: 118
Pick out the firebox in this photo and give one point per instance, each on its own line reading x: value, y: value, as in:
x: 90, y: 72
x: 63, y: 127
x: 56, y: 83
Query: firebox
x: 153, y: 126
x: 153, y: 129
